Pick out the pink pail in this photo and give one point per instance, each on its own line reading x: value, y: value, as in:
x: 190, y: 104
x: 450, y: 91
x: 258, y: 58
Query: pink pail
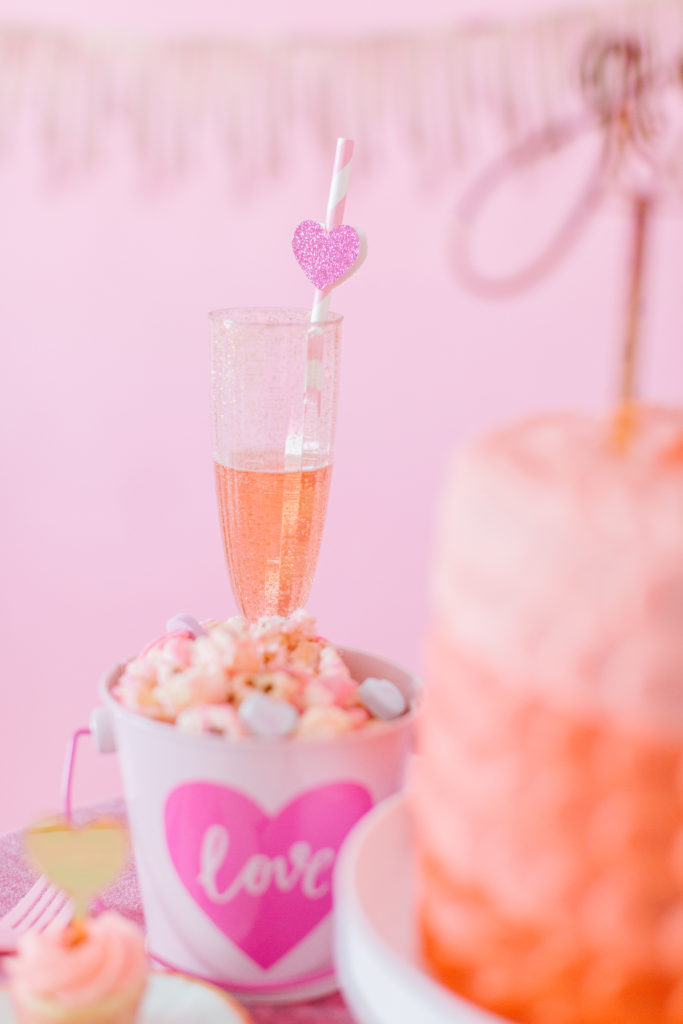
x: 235, y: 841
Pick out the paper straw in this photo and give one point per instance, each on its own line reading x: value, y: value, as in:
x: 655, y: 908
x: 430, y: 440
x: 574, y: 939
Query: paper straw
x: 335, y: 216
x: 309, y: 411
x: 321, y: 302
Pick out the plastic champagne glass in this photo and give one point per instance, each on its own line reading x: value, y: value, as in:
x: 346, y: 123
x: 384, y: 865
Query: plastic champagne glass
x: 274, y: 411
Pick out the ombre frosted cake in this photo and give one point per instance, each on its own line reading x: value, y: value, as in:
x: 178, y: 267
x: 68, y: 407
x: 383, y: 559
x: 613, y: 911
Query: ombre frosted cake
x: 549, y: 795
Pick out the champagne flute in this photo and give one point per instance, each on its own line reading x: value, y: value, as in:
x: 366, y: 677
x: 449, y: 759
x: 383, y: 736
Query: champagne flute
x: 274, y: 412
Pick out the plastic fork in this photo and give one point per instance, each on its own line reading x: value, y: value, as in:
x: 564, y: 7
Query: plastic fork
x: 44, y: 908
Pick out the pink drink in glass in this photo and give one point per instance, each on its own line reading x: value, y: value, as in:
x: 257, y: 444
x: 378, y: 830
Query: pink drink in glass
x: 273, y: 439
x: 272, y: 524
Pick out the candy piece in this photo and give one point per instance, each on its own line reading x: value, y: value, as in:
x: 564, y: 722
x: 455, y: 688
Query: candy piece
x: 382, y: 698
x: 264, y: 716
x: 187, y: 623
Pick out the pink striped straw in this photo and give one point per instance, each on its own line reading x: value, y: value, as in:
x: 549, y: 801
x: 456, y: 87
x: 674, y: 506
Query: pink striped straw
x: 305, y: 419
x: 321, y: 302
x: 335, y: 215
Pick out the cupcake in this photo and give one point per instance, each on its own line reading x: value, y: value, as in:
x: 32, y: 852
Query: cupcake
x: 93, y: 972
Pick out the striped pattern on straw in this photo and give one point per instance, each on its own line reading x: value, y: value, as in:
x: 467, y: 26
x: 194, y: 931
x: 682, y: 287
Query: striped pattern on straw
x: 335, y: 216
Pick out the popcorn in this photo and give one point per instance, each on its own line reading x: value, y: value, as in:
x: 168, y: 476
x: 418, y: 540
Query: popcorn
x: 273, y: 677
x: 321, y: 722
x: 279, y: 684
x: 337, y: 689
x: 216, y: 718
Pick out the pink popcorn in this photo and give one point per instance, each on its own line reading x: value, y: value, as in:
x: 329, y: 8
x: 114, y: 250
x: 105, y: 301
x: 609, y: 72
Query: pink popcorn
x: 162, y: 640
x: 278, y: 684
x: 137, y: 694
x: 300, y: 626
x: 178, y: 650
x: 330, y: 662
x: 306, y: 655
x: 221, y: 719
x: 326, y: 722
x: 227, y: 677
x: 333, y: 689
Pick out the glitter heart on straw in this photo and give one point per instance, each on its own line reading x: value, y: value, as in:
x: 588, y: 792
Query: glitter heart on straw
x: 325, y: 256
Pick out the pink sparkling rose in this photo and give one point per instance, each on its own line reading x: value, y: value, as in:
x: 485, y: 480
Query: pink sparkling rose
x: 325, y: 256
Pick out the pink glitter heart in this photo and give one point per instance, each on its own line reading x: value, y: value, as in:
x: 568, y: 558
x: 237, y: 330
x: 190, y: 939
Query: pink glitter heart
x: 325, y: 256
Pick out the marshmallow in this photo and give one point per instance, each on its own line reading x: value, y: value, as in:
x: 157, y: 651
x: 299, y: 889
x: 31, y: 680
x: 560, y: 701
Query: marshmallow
x: 382, y: 698
x: 264, y: 716
x: 187, y: 623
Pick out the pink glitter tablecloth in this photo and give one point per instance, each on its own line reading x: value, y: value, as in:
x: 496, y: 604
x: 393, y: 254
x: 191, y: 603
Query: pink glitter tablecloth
x: 16, y: 879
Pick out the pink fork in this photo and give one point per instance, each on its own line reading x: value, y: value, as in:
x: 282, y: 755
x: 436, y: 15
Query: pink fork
x: 43, y: 908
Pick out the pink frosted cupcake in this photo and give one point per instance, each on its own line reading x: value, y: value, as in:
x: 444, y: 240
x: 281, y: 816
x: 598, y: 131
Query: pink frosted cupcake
x: 91, y: 973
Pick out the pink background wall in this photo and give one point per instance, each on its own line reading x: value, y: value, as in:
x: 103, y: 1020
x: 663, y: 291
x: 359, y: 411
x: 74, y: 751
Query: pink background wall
x: 108, y: 515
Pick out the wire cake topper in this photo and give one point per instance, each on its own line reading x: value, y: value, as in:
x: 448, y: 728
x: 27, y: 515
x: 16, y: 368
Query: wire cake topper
x: 636, y: 105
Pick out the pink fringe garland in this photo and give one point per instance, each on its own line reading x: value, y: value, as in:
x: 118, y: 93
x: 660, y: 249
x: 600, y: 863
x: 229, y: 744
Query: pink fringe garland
x: 445, y: 97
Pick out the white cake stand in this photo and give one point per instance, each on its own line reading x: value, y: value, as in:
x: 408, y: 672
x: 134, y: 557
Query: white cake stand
x: 172, y: 999
x: 378, y: 964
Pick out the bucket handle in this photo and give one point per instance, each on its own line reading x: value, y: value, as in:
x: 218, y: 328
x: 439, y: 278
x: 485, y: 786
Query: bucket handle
x: 103, y: 734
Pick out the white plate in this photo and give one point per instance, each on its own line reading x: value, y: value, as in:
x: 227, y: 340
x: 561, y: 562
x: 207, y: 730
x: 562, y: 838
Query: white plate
x: 172, y: 999
x: 379, y: 967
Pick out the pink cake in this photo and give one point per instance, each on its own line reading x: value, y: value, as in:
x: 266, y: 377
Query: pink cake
x: 549, y: 797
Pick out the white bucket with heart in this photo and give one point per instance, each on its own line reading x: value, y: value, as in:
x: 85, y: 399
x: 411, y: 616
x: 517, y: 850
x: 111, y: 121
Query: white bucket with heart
x: 235, y: 841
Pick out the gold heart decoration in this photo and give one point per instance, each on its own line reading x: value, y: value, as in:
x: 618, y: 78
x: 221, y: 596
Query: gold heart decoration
x: 81, y: 860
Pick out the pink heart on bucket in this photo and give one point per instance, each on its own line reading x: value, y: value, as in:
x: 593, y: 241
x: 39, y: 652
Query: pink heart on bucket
x: 265, y: 881
x: 325, y: 256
